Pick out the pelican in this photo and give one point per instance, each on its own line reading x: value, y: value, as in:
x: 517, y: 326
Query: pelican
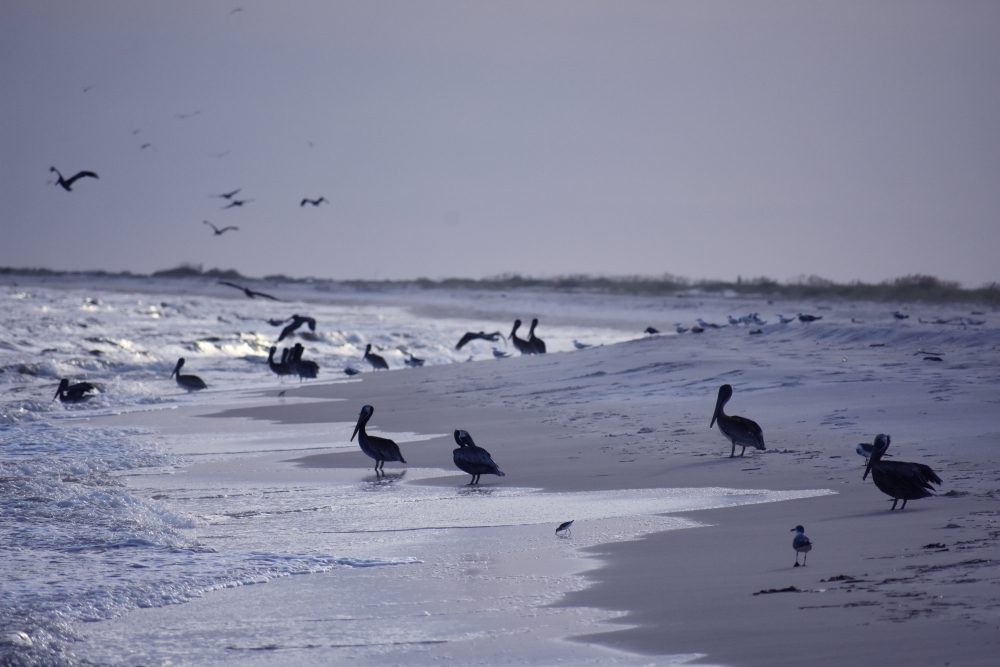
x: 314, y: 202
x: 375, y: 360
x: 651, y: 331
x: 499, y: 354
x: 304, y: 368
x: 228, y: 195
x: 413, y: 362
x: 282, y: 367
x: 740, y: 430
x: 236, y: 202
x: 535, y: 340
x: 471, y: 335
x: 564, y: 527
x: 809, y: 318
x: 380, y: 449
x: 73, y: 393
x: 472, y: 459
x: 220, y: 232
x: 523, y: 346
x: 67, y: 183
x: 735, y: 322
x: 249, y: 292
x: 297, y: 321
x: 801, y: 544
x: 785, y: 320
x: 189, y: 382
x: 580, y: 346
x: 900, y: 480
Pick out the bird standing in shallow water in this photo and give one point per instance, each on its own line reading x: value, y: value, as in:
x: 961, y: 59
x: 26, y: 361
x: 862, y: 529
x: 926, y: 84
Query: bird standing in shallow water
x: 740, y: 430
x: 534, y: 340
x: 900, y: 480
x: 801, y: 544
x: 377, y: 362
x: 472, y: 459
x: 189, y: 382
x: 564, y: 527
x: 380, y: 449
x: 73, y: 393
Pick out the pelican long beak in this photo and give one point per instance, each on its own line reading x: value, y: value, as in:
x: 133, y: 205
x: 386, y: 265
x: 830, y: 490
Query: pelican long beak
x: 357, y: 427
x: 868, y: 468
x: 715, y: 415
x: 57, y: 393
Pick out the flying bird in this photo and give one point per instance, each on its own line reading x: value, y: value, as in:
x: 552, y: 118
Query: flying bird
x: 377, y: 362
x: 249, y: 292
x: 236, y: 202
x: 801, y: 544
x: 189, y: 382
x: 145, y: 145
x: 380, y: 449
x: 740, y: 430
x: 472, y: 459
x: 228, y: 195
x: 564, y: 527
x: 67, y: 183
x: 314, y: 202
x: 900, y: 480
x: 73, y: 393
x: 470, y: 336
x: 297, y: 321
x: 220, y: 232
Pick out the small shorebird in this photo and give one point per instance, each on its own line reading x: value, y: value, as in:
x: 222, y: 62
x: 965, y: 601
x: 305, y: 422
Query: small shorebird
x: 523, y: 346
x: 380, y: 449
x: 535, y: 340
x: 801, y: 544
x: 220, y: 232
x: 785, y: 320
x: 297, y: 321
x: 735, y: 322
x: 651, y: 331
x: 740, y: 430
x: 472, y: 459
x: 67, y: 183
x: 414, y: 362
x: 681, y: 329
x: 351, y: 371
x: 73, y: 393
x: 189, y: 382
x: 249, y: 292
x: 708, y: 325
x: 377, y: 362
x: 478, y: 335
x: 564, y: 527
x: 499, y: 354
x: 900, y: 480
x: 809, y: 318
x: 314, y: 202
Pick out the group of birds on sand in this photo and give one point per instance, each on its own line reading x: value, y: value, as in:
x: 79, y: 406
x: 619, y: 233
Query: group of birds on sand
x: 530, y: 345
x: 753, y: 319
x: 900, y: 480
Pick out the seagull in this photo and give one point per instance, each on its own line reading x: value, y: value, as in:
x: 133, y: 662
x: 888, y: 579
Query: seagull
x: 220, y: 232
x: 708, y: 325
x: 67, y: 183
x: 470, y: 336
x: 564, y: 527
x: 809, y: 318
x: 580, y: 346
x: 756, y: 319
x: 535, y: 340
x: 735, y: 322
x: 523, y: 346
x: 681, y: 329
x: 801, y: 544
x: 375, y: 360
x: 237, y: 202
x: 740, y: 430
x: 500, y: 354
x: 297, y: 321
x: 314, y: 202
x: 785, y: 320
x: 228, y: 195
x: 380, y: 449
x: 472, y: 459
x: 651, y: 331
x: 900, y: 480
x: 189, y: 382
x: 73, y: 393
x: 413, y: 362
x: 249, y: 292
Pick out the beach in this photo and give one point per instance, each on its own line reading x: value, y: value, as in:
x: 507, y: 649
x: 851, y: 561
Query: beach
x: 676, y: 546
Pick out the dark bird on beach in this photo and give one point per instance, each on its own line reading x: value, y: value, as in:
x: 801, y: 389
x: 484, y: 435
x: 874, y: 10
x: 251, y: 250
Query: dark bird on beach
x: 189, y: 382
x: 740, y: 430
x: 351, y: 371
x: 67, y: 183
x: 304, y: 368
x: 697, y: 330
x: 564, y: 527
x: 809, y: 318
x: 479, y: 335
x: 249, y: 292
x: 413, y: 362
x: 228, y: 195
x: 237, y: 202
x: 314, y: 202
x: 220, y: 232
x: 523, y: 346
x: 801, y: 544
x: 537, y: 342
x: 651, y: 331
x: 380, y: 449
x: 377, y: 362
x: 900, y: 480
x: 472, y: 459
x: 900, y: 316
x: 73, y: 393
x: 282, y: 367
x: 297, y: 321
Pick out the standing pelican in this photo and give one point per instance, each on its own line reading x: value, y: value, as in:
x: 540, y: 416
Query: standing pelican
x: 472, y: 459
x: 523, y: 346
x: 67, y: 183
x: 380, y: 449
x: 304, y: 368
x: 73, y: 393
x: 801, y: 544
x: 189, y: 382
x: 740, y: 430
x: 377, y: 362
x: 282, y: 367
x: 900, y: 480
x: 535, y: 340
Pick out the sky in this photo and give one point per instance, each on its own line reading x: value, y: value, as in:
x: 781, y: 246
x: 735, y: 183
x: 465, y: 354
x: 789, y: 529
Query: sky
x: 848, y: 140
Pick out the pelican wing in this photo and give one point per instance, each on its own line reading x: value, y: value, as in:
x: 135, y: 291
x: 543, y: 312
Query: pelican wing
x: 475, y: 461
x: 385, y: 449
x: 744, y: 430
x: 266, y: 296
x: 82, y: 174
x: 469, y: 336
x: 906, y: 480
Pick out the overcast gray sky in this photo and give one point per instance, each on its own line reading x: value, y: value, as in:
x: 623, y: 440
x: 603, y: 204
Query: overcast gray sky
x: 705, y: 139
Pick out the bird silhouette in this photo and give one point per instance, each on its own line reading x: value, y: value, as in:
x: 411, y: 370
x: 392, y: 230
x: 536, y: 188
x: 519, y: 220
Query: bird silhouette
x: 809, y: 318
x: 249, y: 292
x: 228, y: 195
x: 523, y: 346
x: 189, y: 382
x: 478, y: 335
x: 651, y: 331
x: 73, y: 393
x: 380, y: 449
x: 535, y: 340
x: 900, y: 480
x: 314, y: 202
x: 377, y: 362
x: 236, y: 202
x: 740, y: 430
x: 67, y: 183
x: 472, y: 459
x: 297, y: 321
x: 564, y: 527
x: 801, y: 544
x: 414, y: 362
x: 220, y: 232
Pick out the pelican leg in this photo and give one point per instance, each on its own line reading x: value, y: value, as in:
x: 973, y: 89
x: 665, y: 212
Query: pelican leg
x: 744, y: 450
x: 733, y: 453
x: 472, y: 481
x: 894, y: 501
x: 904, y: 504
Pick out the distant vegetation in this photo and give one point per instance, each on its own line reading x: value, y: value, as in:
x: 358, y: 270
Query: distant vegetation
x: 914, y: 288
